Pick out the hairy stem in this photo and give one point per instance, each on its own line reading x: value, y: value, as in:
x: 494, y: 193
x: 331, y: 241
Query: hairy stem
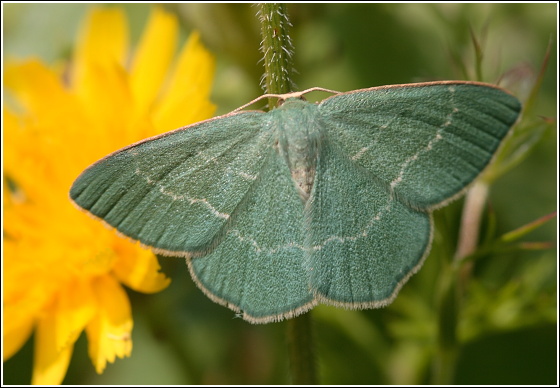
x: 277, y: 49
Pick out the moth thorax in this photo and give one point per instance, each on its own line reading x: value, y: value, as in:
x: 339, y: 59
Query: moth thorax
x: 304, y: 178
x: 301, y: 155
x: 298, y: 144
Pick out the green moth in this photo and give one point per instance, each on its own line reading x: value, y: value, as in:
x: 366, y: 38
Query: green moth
x: 308, y: 203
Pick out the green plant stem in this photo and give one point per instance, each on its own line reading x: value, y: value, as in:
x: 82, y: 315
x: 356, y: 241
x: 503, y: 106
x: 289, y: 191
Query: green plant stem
x: 300, y: 344
x: 447, y: 349
x: 478, y: 54
x: 277, y: 49
x: 470, y: 220
x: 453, y: 283
x: 277, y: 52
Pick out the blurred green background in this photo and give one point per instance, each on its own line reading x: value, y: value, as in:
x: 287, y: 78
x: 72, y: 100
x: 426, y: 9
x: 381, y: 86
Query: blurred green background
x: 507, y: 325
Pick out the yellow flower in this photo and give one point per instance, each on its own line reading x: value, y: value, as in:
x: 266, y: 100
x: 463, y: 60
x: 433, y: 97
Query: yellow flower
x: 63, y: 270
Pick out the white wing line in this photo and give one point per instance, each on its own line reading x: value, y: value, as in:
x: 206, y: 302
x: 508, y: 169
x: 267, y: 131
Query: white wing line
x: 181, y: 197
x: 437, y: 137
x: 259, y: 249
x: 361, y: 152
x: 362, y: 234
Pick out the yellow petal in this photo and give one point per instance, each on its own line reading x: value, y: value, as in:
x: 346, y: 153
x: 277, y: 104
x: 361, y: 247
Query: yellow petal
x: 13, y: 143
x: 59, y: 329
x: 50, y: 362
x: 103, y: 38
x: 99, y: 61
x: 109, y: 111
x: 38, y: 90
x: 75, y: 307
x: 40, y: 129
x: 14, y: 339
x: 190, y: 85
x: 25, y: 292
x: 153, y: 57
x: 109, y: 333
x: 141, y: 272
